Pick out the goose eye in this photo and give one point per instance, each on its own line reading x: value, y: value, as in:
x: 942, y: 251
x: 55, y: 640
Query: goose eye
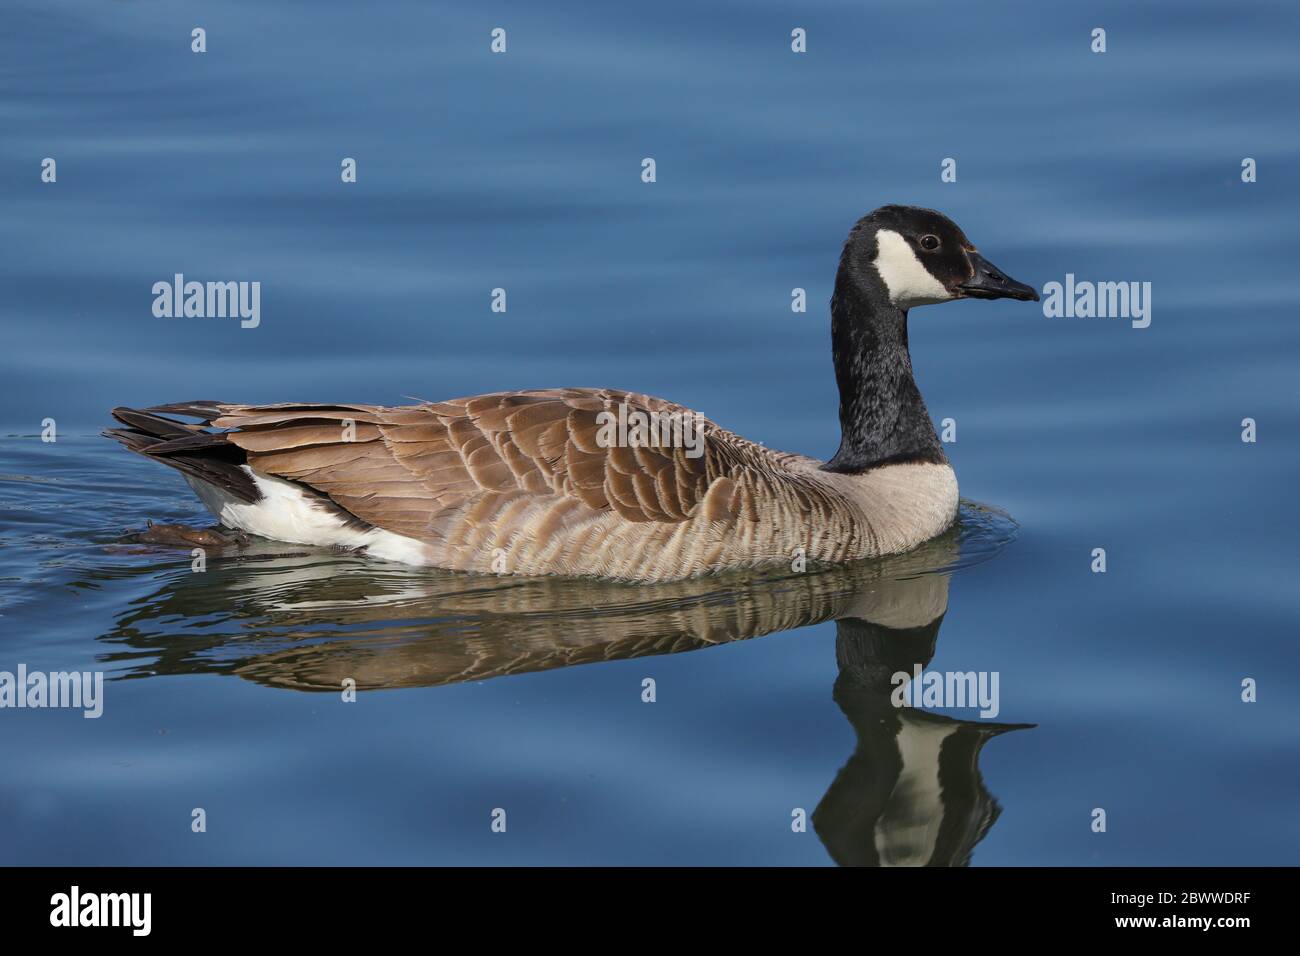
x: 929, y: 243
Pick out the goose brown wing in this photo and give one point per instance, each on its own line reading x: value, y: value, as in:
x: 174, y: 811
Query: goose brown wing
x: 402, y: 469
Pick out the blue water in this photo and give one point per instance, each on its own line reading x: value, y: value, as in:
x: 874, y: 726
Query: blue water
x: 522, y: 171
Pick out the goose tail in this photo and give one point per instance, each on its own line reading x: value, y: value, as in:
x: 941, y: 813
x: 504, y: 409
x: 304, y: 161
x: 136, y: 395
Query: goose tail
x: 191, y: 449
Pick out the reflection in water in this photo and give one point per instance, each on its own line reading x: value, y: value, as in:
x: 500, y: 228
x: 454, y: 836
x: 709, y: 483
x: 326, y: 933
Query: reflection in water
x: 911, y: 793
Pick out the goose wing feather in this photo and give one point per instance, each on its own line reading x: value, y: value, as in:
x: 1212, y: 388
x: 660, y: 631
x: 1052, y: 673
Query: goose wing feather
x: 424, y: 470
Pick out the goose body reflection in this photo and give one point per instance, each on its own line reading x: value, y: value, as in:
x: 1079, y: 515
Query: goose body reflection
x: 910, y: 794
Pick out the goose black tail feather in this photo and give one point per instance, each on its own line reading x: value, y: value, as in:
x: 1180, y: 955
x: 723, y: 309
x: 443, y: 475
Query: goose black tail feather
x: 206, y: 411
x: 204, y: 455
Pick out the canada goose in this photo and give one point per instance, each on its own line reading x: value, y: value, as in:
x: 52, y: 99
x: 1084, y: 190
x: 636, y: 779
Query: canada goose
x: 601, y: 482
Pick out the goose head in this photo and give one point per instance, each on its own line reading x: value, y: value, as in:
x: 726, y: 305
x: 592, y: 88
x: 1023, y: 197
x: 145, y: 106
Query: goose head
x: 911, y: 256
x: 896, y: 258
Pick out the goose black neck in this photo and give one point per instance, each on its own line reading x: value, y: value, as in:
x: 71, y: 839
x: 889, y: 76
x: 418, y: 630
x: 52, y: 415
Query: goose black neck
x: 883, y: 419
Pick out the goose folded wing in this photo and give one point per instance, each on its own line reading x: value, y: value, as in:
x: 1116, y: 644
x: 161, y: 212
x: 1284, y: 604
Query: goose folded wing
x: 408, y: 469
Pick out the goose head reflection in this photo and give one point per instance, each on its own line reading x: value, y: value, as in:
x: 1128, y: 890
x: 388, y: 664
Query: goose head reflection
x: 911, y: 793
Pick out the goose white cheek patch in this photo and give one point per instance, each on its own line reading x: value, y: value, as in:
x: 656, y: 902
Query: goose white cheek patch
x: 908, y: 281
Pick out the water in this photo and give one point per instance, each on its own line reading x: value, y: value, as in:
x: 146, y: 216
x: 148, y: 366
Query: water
x: 522, y: 171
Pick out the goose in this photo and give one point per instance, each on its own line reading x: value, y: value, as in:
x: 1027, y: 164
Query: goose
x: 555, y: 482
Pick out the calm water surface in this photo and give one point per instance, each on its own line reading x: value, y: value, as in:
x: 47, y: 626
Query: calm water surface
x: 1118, y: 690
